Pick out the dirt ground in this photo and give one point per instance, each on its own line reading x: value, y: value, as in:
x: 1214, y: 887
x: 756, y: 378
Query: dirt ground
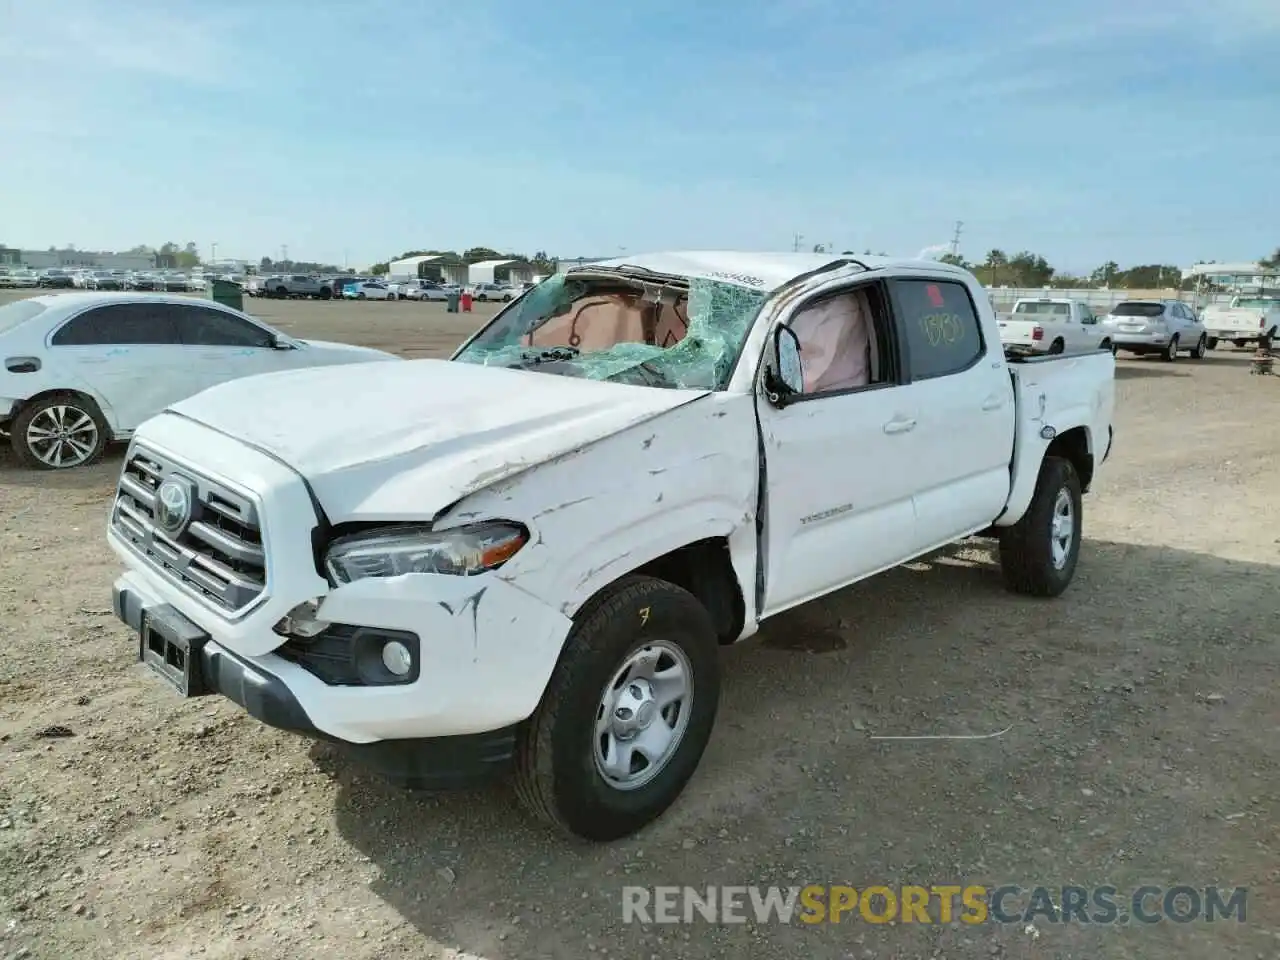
x: 1142, y: 714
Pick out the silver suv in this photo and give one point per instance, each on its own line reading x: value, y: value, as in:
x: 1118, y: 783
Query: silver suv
x: 1166, y: 327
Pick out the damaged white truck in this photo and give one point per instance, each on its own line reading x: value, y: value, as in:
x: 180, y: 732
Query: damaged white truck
x: 523, y: 559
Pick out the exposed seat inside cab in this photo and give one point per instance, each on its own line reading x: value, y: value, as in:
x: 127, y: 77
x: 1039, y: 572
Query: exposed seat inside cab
x: 600, y: 321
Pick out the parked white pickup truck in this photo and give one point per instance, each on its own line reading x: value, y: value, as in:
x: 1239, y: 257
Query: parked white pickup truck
x: 1052, y: 325
x: 530, y: 566
x: 1242, y: 321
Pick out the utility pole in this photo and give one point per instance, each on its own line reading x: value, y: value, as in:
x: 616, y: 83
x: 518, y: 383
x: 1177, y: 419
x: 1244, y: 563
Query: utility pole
x: 955, y: 238
x: 284, y: 253
x: 213, y: 254
x: 795, y: 246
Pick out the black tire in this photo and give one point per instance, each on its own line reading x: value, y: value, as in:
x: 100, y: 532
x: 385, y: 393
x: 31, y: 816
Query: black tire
x: 326, y: 293
x: 282, y: 292
x: 482, y: 298
x: 1170, y: 353
x: 556, y: 777
x: 1057, y: 347
x: 361, y: 296
x: 1026, y: 551
x: 18, y: 429
x: 506, y: 298
x: 1108, y: 346
x: 1240, y: 344
x: 1201, y: 348
x: 1212, y: 343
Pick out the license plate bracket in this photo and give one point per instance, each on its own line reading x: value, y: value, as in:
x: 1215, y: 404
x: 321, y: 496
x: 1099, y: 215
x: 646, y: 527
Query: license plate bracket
x: 170, y: 646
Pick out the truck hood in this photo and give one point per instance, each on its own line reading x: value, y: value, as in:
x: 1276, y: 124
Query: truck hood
x: 403, y: 441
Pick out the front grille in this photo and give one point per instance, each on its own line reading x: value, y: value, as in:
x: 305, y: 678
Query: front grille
x: 218, y: 553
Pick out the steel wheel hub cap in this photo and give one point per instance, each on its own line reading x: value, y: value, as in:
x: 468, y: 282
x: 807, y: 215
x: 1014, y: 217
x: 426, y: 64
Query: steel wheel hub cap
x: 642, y: 715
x: 1062, y: 529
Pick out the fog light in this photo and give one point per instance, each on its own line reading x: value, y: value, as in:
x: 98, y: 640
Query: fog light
x: 397, y: 658
x: 301, y: 621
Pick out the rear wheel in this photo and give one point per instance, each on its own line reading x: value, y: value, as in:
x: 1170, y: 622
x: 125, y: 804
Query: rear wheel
x: 1057, y: 346
x: 58, y: 432
x: 1201, y: 348
x: 1108, y: 346
x: 626, y: 715
x: 1038, y: 554
x: 1171, y: 351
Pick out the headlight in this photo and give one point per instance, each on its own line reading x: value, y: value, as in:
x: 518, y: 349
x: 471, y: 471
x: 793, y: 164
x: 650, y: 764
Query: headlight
x: 392, y: 551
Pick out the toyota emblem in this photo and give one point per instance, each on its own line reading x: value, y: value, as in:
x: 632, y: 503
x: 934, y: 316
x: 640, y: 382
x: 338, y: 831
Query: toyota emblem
x: 173, y: 505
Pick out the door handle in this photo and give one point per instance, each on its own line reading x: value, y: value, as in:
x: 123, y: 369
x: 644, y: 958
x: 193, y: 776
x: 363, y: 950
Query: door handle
x: 993, y: 403
x: 900, y: 426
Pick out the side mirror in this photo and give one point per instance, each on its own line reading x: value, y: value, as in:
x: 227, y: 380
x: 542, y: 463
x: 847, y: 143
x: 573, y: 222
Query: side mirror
x: 784, y: 377
x: 278, y: 344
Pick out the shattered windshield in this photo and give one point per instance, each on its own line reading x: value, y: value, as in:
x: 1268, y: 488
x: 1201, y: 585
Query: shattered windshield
x: 625, y: 325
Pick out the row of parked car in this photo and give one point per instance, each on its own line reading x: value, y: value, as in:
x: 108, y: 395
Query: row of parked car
x: 376, y: 288
x: 1052, y: 325
x: 57, y: 278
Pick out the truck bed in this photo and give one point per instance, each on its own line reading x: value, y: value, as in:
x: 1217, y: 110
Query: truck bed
x: 1074, y: 387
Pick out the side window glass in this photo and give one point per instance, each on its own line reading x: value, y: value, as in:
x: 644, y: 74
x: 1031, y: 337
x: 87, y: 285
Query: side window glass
x: 941, y: 328
x: 843, y: 342
x: 206, y: 327
x: 81, y: 331
x: 137, y: 324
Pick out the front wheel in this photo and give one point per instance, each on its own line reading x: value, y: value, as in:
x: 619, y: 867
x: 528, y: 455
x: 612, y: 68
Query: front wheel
x: 58, y: 432
x: 1200, y: 349
x: 626, y: 715
x: 1038, y: 554
x: 1057, y: 347
x: 1171, y: 351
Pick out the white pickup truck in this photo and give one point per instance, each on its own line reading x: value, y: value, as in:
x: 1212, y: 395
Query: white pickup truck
x: 530, y: 564
x: 1052, y: 325
x: 1242, y: 321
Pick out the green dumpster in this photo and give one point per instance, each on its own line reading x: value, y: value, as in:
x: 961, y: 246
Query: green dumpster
x: 227, y: 293
x: 454, y: 298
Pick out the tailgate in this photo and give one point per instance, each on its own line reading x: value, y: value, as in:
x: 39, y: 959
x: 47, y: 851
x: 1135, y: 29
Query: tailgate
x: 1243, y: 321
x: 1018, y: 332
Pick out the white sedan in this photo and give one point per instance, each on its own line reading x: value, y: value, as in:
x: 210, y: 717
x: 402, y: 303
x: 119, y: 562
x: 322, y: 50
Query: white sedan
x: 425, y: 290
x: 372, y: 290
x: 83, y: 369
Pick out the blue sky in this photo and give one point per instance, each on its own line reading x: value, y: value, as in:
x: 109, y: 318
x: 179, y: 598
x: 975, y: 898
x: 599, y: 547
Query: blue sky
x: 1142, y: 131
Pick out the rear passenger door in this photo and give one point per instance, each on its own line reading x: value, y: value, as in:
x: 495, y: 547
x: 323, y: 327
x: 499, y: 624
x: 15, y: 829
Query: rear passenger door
x: 225, y: 346
x: 129, y: 355
x: 963, y: 397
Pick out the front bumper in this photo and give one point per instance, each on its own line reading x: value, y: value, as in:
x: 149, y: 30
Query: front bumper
x: 420, y: 763
x: 486, y: 648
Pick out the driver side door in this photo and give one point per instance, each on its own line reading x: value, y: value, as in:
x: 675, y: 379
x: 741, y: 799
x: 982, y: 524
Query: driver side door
x: 840, y: 458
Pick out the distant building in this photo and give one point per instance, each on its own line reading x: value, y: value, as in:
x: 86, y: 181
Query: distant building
x: 45, y: 259
x: 441, y: 268
x: 226, y: 265
x: 500, y: 271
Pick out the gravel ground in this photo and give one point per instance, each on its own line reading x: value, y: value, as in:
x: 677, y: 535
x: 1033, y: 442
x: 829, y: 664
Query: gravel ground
x: 1141, y: 711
